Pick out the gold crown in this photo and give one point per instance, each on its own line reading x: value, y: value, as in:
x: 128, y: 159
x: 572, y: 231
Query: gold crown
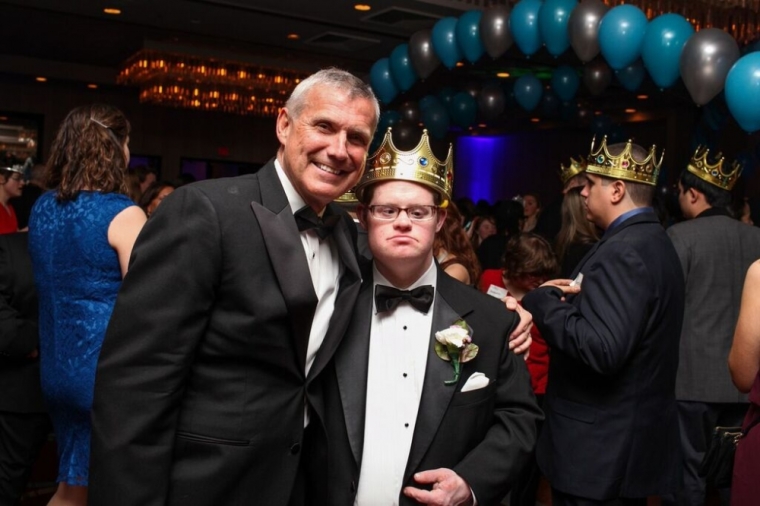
x: 576, y: 167
x: 624, y: 166
x: 419, y: 165
x: 348, y: 198
x: 713, y: 174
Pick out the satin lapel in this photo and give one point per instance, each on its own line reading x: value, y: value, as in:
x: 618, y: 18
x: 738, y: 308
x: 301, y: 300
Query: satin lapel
x: 435, y: 394
x: 351, y: 364
x: 350, y: 282
x: 283, y: 244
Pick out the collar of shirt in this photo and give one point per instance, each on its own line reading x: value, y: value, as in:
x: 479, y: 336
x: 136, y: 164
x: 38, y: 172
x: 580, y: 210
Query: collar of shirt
x: 713, y: 211
x: 629, y: 214
x: 294, y: 199
x: 428, y: 278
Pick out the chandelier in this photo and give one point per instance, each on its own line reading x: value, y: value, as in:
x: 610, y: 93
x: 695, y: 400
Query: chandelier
x: 209, y: 84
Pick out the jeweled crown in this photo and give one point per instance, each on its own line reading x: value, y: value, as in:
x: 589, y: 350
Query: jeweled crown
x: 713, y: 173
x: 576, y: 167
x: 624, y: 165
x: 418, y: 165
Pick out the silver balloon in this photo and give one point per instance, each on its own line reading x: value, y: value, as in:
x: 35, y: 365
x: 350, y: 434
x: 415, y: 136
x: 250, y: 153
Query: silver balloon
x: 494, y: 30
x: 706, y: 58
x: 421, y: 53
x: 409, y: 111
x: 491, y: 101
x: 583, y: 28
x: 597, y: 75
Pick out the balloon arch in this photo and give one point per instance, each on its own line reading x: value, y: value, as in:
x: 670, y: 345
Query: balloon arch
x: 708, y: 61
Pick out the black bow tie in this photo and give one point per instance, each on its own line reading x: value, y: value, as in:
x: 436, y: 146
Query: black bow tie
x: 387, y: 298
x: 307, y: 219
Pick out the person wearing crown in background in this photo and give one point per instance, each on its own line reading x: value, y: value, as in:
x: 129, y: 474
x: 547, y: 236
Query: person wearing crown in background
x: 425, y: 403
x: 550, y: 220
x: 715, y: 252
x: 611, y: 429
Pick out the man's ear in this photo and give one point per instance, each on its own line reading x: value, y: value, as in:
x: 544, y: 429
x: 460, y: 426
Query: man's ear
x: 361, y: 215
x: 441, y: 219
x: 618, y: 191
x: 693, y: 195
x: 283, y: 125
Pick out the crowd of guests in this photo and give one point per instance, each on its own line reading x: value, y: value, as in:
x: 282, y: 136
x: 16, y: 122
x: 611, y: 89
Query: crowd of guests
x: 217, y: 378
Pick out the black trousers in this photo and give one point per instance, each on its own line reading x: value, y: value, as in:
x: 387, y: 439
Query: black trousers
x: 21, y: 438
x: 562, y: 499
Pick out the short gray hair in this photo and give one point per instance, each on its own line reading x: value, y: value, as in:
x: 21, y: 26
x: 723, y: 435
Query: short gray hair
x: 335, y: 78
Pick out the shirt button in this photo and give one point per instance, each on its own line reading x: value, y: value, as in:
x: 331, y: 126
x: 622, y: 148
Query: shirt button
x: 404, y: 375
x: 406, y: 425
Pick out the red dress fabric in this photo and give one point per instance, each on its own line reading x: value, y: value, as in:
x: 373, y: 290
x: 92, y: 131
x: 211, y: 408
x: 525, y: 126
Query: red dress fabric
x: 745, y: 485
x: 8, y: 221
x: 538, y: 357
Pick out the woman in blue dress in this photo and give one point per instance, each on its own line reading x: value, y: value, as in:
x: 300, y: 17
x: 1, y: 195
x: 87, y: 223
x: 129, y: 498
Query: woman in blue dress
x: 80, y: 237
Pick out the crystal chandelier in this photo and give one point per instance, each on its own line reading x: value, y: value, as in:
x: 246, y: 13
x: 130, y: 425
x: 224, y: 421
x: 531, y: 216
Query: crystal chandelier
x: 209, y: 84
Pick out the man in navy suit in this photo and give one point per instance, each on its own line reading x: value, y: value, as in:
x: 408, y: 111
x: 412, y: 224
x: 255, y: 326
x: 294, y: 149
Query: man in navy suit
x: 611, y: 429
x: 409, y: 419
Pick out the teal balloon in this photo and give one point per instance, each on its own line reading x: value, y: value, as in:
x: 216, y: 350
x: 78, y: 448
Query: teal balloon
x: 743, y: 92
x: 552, y: 25
x: 632, y: 76
x: 446, y: 95
x: 463, y: 109
x: 621, y: 35
x: 387, y: 119
x: 662, y: 46
x: 565, y: 82
x: 436, y: 120
x: 427, y: 101
x: 528, y: 90
x: 468, y: 35
x: 444, y: 40
x: 523, y: 22
x: 402, y: 71
x: 382, y: 82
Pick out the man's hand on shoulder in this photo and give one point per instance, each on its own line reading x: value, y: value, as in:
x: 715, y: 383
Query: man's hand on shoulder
x: 520, y: 340
x: 448, y: 489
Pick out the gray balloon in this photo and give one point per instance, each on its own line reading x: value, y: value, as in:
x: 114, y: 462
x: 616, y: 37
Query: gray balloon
x: 583, y: 28
x: 597, y: 75
x: 409, y: 111
x: 421, y: 53
x: 491, y: 101
x: 706, y: 58
x: 494, y: 30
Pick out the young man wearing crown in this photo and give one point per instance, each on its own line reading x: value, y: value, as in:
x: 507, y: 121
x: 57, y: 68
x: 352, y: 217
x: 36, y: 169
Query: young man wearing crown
x: 611, y: 429
x: 715, y: 252
x: 426, y: 404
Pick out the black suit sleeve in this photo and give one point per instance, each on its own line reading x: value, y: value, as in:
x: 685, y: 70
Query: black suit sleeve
x: 159, y: 318
x: 18, y: 335
x: 600, y: 326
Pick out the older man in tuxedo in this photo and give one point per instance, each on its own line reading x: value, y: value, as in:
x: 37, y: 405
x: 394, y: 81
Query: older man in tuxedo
x: 611, y: 429
x: 414, y: 415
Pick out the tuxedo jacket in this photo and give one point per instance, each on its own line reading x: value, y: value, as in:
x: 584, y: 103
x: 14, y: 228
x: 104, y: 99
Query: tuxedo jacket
x: 715, y: 252
x: 484, y: 435
x: 611, y: 426
x: 200, y: 387
x: 19, y: 375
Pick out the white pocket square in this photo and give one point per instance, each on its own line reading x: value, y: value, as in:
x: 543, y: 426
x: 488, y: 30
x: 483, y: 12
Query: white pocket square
x: 477, y: 381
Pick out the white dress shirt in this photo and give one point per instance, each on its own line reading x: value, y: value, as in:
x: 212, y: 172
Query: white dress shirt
x: 398, y: 351
x: 325, y: 269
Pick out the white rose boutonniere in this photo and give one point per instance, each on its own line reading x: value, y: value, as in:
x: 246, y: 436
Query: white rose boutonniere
x: 454, y: 345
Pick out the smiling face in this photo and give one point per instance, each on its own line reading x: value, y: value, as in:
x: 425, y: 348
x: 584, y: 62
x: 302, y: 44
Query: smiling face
x: 324, y: 148
x: 401, y: 244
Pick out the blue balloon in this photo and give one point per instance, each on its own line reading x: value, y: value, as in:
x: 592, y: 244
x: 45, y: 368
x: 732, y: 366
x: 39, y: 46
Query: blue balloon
x: 468, y: 35
x: 632, y: 76
x: 552, y: 25
x: 463, y: 109
x: 528, y: 91
x: 743, y: 91
x: 402, y: 70
x: 446, y: 95
x: 662, y: 46
x: 436, y: 120
x: 565, y: 82
x: 382, y: 82
x: 445, y: 42
x: 427, y: 101
x: 621, y: 35
x: 523, y: 22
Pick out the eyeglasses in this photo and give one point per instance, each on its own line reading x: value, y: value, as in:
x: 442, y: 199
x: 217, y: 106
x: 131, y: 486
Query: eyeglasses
x: 415, y: 213
x: 19, y: 178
